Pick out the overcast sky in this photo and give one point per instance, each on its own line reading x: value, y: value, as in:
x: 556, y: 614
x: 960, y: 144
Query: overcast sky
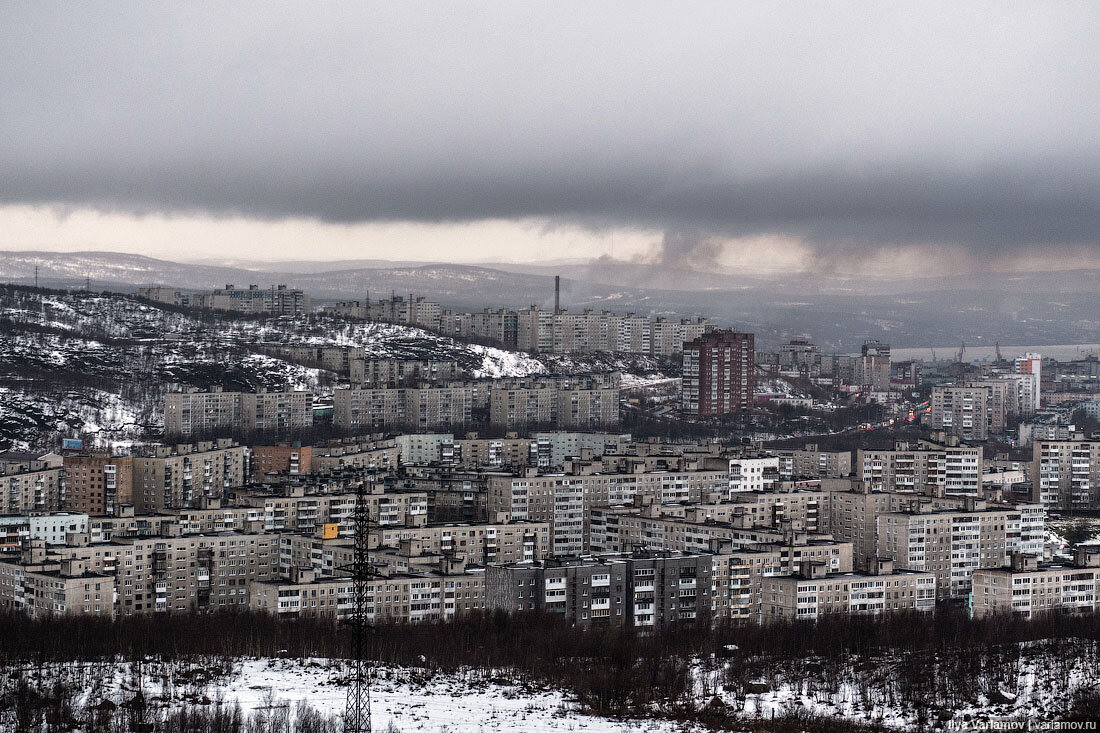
x: 758, y: 135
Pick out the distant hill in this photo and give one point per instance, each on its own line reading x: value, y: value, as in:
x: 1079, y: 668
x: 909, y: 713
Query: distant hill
x: 835, y: 310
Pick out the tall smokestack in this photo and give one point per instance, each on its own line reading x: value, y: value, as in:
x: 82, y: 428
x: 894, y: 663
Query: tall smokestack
x: 557, y: 294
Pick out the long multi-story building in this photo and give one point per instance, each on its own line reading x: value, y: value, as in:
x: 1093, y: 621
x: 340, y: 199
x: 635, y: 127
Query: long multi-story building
x: 480, y: 544
x: 973, y: 411
x: 207, y: 414
x: 184, y: 475
x: 565, y: 499
x: 276, y: 300
x: 814, y: 592
x: 813, y: 462
x: 156, y: 574
x: 952, y: 544
x: 424, y: 407
x: 1065, y: 474
x: 641, y: 590
x: 585, y: 403
x: 719, y: 374
x: 535, y: 329
x: 1027, y: 588
x: 935, y: 470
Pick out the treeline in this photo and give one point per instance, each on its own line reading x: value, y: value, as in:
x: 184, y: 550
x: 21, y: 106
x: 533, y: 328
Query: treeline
x: 919, y: 663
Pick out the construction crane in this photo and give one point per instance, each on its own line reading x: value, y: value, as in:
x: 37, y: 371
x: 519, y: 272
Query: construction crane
x: 357, y: 707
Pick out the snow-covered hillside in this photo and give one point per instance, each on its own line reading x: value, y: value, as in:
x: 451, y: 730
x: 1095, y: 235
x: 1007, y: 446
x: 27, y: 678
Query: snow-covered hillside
x: 75, y: 361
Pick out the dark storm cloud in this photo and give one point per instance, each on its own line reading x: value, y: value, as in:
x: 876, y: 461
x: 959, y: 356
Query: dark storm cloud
x: 851, y: 126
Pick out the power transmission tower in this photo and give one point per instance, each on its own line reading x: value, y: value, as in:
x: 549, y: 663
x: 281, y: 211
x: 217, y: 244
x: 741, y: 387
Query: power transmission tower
x: 357, y: 708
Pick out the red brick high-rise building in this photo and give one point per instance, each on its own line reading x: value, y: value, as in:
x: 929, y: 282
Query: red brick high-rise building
x: 719, y: 374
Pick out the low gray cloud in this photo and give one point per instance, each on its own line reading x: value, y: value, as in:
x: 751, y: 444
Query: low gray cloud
x: 851, y: 126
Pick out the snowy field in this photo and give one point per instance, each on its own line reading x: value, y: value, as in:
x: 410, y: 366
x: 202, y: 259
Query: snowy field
x: 410, y: 699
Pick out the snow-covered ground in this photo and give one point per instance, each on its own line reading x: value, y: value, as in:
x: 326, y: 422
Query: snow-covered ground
x: 410, y: 699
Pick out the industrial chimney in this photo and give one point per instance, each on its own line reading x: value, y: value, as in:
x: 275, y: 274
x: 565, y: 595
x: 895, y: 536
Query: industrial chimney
x: 557, y: 294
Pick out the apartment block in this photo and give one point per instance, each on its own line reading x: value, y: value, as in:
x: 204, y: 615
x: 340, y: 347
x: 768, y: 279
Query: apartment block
x: 184, y: 475
x: 480, y: 544
x: 564, y: 499
x: 579, y: 402
x: 65, y: 588
x: 291, y: 459
x: 812, y: 462
x: 98, y: 483
x: 953, y: 544
x: 971, y: 412
x: 1027, y: 588
x: 29, y: 485
x: 642, y: 590
x: 192, y: 573
x: 815, y: 592
x: 335, y: 456
x: 719, y: 374
x: 1065, y: 474
x: 926, y: 469
x: 419, y: 408
x: 873, y: 367
x: 277, y: 300
x: 209, y: 413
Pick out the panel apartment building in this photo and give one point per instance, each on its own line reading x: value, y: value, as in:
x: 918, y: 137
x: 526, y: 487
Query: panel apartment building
x: 926, y: 468
x: 195, y: 413
x: 952, y: 544
x: 536, y: 329
x: 1065, y: 474
x: 1027, y: 588
x: 642, y: 590
x: 719, y: 374
x: 814, y: 592
x: 29, y: 485
x: 565, y: 500
x: 276, y: 300
x: 577, y: 403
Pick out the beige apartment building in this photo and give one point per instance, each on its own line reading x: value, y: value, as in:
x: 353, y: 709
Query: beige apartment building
x: 479, y: 544
x: 971, y: 411
x: 181, y: 476
x: 953, y: 544
x: 265, y: 412
x: 29, y: 485
x: 158, y: 574
x: 564, y: 499
x: 419, y: 408
x: 815, y: 592
x: 400, y: 598
x: 1027, y: 588
x: 55, y: 589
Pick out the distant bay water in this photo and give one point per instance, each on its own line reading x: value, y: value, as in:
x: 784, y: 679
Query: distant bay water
x: 988, y: 352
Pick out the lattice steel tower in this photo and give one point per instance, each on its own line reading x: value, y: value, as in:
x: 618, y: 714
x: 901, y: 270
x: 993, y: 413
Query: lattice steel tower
x: 357, y: 708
